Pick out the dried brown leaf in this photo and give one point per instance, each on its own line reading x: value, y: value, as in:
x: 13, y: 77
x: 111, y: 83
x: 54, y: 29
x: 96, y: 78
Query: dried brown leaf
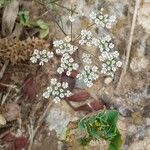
x: 9, y: 17
x: 11, y: 111
x: 78, y: 97
x: 89, y: 107
x: 30, y: 88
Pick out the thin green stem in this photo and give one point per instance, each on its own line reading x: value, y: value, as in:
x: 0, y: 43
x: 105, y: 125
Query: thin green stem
x: 78, y: 36
x: 60, y: 28
x: 88, y: 52
x: 71, y: 31
x: 70, y: 10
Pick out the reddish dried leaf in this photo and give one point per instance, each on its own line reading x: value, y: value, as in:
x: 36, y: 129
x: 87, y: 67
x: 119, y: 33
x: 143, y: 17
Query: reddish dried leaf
x: 70, y: 80
x: 93, y: 106
x: 15, y: 143
x: 84, y: 107
x: 9, y: 137
x: 74, y: 73
x: 97, y: 105
x: 11, y: 146
x: 30, y: 88
x: 81, y: 96
x: 20, y: 143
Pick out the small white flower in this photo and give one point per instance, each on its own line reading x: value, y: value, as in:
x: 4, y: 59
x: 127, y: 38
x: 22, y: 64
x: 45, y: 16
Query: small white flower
x: 115, y: 54
x: 41, y: 63
x: 79, y: 76
x: 108, y: 25
x: 44, y: 51
x: 56, y: 99
x: 49, y: 89
x: 111, y: 45
x: 89, y: 84
x: 87, y: 68
x: 50, y: 54
x: 58, y: 84
x: 75, y: 66
x: 53, y: 81
x: 71, y: 18
x: 68, y: 93
x: 46, y: 95
x: 61, y: 95
x: 94, y: 68
x: 112, y: 18
x: 68, y: 73
x: 119, y: 63
x: 65, y: 85
x: 68, y: 39
x: 97, y: 21
x: 36, y: 52
x: 33, y: 60
x: 95, y: 42
x: 93, y: 15
x: 60, y: 70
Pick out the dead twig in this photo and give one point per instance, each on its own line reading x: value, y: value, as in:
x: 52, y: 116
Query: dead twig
x: 124, y: 70
x: 4, y: 68
x: 32, y: 132
x: 6, y: 96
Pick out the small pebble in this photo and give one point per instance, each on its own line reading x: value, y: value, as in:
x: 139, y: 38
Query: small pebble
x: 108, y: 80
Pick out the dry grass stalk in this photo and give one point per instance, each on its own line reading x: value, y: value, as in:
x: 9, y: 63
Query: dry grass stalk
x: 137, y: 5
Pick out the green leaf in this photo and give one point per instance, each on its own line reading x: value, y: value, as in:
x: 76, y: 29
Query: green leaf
x: 112, y: 117
x: 85, y: 141
x: 2, y: 3
x: 116, y: 142
x: 43, y: 33
x: 24, y: 18
x: 42, y: 24
x: 82, y: 125
x: 44, y: 28
x: 103, y: 125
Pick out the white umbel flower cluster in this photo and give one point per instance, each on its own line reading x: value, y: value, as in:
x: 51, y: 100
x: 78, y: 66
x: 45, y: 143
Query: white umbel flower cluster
x: 89, y: 73
x: 57, y: 90
x: 66, y: 49
x: 86, y: 58
x: 86, y: 38
x: 63, y: 47
x: 104, y: 20
x: 41, y: 57
x: 110, y: 63
x: 105, y: 43
x: 67, y: 65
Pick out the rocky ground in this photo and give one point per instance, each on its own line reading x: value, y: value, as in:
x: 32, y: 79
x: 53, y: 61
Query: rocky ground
x: 22, y: 83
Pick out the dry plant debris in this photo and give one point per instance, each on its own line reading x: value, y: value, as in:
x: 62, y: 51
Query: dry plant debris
x: 66, y: 65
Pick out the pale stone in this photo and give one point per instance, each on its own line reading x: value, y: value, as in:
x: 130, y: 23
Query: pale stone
x: 144, y: 17
x: 108, y: 80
